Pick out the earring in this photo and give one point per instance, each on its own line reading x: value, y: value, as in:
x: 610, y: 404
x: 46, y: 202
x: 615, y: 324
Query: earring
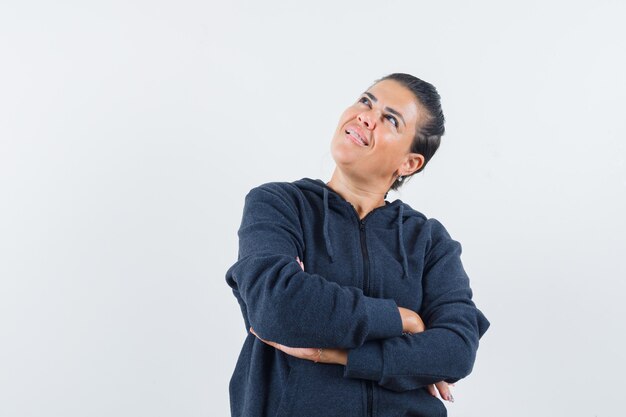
x: 400, y: 178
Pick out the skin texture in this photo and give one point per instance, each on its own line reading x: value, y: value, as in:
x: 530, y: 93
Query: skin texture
x: 363, y: 174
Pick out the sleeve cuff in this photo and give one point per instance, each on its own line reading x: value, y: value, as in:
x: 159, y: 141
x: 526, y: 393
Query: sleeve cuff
x: 365, y: 362
x: 383, y: 318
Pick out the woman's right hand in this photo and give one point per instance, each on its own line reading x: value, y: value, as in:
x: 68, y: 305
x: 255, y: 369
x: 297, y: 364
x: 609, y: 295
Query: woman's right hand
x: 411, y: 321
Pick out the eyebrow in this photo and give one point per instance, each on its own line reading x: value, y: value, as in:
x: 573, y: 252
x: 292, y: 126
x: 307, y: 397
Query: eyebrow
x: 389, y: 109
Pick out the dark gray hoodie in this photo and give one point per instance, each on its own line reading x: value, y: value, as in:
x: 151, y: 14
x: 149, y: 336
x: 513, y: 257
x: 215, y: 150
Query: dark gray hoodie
x: 356, y: 275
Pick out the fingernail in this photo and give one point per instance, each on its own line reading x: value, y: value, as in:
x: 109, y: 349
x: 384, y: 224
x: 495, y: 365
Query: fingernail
x: 450, y: 398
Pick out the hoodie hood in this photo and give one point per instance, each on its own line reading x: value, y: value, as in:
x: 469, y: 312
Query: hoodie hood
x: 395, y: 209
x: 291, y: 292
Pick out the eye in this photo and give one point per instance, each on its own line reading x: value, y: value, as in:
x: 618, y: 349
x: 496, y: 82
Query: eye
x: 367, y: 100
x: 393, y: 119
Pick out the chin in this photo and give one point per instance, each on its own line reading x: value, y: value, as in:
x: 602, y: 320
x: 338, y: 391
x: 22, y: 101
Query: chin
x: 343, y: 155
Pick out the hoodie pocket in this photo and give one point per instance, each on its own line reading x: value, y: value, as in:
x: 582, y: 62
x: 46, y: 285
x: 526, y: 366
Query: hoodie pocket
x: 316, y: 389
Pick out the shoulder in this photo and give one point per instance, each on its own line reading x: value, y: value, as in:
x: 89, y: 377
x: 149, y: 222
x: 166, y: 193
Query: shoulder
x: 282, y: 196
x: 297, y: 192
x: 277, y: 188
x: 410, y: 212
x: 430, y: 228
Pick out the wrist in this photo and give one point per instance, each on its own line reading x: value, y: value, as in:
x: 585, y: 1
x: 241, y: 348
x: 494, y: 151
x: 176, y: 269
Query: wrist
x: 341, y: 357
x: 335, y: 356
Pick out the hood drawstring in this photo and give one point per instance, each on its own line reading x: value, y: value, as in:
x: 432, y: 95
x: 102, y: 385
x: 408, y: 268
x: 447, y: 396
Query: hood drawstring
x: 405, y: 263
x: 329, y: 246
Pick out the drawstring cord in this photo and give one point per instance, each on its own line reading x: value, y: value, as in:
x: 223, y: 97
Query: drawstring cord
x: 405, y: 263
x: 329, y: 246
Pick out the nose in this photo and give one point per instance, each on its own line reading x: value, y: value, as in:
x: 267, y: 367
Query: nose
x: 366, y: 119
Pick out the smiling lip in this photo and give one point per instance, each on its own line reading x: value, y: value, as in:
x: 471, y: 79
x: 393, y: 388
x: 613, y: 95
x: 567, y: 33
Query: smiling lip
x: 356, y: 131
x: 354, y: 140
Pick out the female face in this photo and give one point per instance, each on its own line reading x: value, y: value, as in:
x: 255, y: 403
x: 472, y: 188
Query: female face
x: 374, y: 134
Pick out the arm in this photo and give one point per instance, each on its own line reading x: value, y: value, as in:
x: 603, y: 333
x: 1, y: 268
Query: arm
x: 446, y: 350
x: 288, y: 305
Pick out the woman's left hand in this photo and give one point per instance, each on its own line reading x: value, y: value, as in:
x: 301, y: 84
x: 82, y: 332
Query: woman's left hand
x: 444, y: 390
x: 340, y: 357
x: 336, y: 356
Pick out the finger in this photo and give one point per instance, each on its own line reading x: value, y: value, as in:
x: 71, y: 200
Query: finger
x: 300, y: 262
x: 444, y: 391
x: 276, y: 345
x: 257, y: 336
x: 432, y: 391
x: 273, y: 344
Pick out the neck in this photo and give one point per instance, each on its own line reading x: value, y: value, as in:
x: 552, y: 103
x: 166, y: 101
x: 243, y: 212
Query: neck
x: 364, y: 196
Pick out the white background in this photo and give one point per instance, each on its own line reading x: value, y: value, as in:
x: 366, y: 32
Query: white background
x: 131, y: 131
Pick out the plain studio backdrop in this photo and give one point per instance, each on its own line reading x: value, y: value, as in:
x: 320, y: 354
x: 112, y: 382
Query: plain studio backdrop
x: 130, y: 133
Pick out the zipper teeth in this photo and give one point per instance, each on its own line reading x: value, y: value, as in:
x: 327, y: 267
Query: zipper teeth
x: 366, y: 267
x: 366, y: 290
x: 361, y: 222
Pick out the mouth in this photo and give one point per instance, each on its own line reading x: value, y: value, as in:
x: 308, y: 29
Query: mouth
x: 357, y: 136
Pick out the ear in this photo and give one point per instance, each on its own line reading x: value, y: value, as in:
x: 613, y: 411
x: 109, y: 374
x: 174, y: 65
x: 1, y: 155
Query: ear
x: 412, y: 163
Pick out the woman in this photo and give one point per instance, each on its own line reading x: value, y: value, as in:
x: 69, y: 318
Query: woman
x: 355, y: 306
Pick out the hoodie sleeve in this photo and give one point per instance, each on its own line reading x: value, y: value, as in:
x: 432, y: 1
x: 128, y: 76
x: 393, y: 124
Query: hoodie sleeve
x: 287, y: 305
x: 446, y: 350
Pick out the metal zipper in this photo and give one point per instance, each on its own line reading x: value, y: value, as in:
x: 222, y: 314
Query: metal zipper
x: 366, y: 290
x: 366, y: 285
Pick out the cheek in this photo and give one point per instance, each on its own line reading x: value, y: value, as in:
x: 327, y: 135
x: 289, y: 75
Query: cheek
x: 348, y: 114
x: 391, y: 151
x: 346, y: 117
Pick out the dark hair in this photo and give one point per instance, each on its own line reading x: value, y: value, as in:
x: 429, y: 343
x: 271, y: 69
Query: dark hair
x: 427, y: 137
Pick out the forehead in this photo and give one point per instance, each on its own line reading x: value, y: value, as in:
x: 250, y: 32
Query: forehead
x: 391, y: 93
